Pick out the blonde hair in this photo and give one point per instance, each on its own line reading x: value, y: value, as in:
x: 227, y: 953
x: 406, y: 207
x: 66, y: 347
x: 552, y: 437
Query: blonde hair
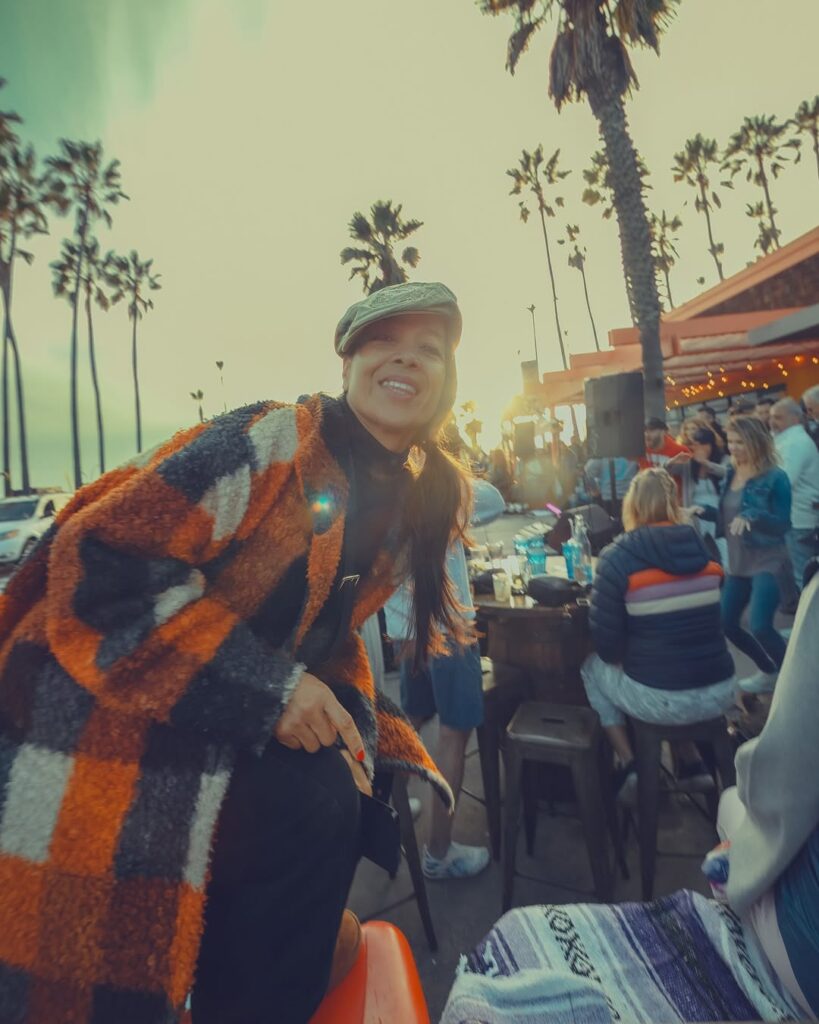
x: 693, y: 423
x: 651, y: 498
x: 758, y: 443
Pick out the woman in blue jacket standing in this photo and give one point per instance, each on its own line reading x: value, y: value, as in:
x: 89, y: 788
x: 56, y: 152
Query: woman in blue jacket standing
x: 754, y: 515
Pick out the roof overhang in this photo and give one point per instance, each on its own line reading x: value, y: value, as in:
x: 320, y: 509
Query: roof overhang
x: 800, y: 326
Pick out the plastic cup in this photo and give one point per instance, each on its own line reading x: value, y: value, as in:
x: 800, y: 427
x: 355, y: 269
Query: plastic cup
x: 502, y: 586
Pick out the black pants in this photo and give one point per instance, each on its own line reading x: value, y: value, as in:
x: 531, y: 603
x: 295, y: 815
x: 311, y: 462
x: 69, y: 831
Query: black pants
x: 287, y: 846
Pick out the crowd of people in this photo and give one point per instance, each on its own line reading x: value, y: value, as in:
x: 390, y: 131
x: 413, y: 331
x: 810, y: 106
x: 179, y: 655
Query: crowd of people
x: 191, y: 721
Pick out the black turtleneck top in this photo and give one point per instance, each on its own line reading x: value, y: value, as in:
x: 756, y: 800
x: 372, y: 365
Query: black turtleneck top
x: 379, y: 479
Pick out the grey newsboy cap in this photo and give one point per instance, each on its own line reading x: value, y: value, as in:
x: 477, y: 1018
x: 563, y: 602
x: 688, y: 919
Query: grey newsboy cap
x: 411, y: 297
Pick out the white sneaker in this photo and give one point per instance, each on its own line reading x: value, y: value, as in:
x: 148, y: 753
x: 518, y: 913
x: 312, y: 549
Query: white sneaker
x: 759, y: 682
x: 460, y: 862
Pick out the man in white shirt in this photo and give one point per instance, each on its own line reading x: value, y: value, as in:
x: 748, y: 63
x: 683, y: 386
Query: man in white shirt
x: 800, y: 460
x: 810, y: 400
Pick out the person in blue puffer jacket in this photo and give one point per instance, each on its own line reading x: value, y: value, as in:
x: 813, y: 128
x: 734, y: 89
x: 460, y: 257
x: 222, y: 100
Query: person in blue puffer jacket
x: 754, y: 516
x: 660, y: 651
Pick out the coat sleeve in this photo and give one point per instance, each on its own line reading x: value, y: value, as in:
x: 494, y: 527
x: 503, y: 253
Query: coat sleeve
x: 608, y: 618
x: 776, y: 519
x: 130, y: 611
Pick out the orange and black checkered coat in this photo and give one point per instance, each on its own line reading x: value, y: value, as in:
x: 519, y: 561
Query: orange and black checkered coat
x: 151, y: 635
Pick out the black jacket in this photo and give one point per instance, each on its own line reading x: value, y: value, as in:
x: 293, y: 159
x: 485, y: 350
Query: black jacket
x: 655, y: 609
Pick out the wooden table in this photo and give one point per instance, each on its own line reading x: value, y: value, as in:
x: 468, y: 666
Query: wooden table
x: 549, y: 643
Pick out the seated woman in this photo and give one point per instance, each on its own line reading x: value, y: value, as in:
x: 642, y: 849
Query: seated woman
x: 660, y: 653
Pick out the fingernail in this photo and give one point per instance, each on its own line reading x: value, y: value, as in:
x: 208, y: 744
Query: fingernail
x: 359, y: 756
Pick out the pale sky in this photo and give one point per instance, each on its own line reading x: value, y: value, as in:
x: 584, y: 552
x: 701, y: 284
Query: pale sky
x: 250, y: 131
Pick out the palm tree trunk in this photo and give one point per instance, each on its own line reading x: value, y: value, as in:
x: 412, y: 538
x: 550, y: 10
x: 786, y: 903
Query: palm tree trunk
x: 554, y: 290
x: 25, y: 481
x: 763, y: 180
x: 75, y: 413
x: 712, y: 245
x: 635, y: 234
x: 135, y: 369
x: 6, y: 439
x: 92, y: 359
x: 668, y: 289
x: 588, y: 305
x: 815, y: 135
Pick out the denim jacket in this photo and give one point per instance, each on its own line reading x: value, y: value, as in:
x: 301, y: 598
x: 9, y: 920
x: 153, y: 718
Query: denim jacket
x: 766, y: 504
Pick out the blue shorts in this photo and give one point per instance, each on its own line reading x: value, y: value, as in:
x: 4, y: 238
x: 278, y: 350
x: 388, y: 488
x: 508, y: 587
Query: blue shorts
x: 451, y: 685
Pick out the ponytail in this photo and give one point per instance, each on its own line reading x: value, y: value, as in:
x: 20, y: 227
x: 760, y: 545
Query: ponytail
x: 436, y: 513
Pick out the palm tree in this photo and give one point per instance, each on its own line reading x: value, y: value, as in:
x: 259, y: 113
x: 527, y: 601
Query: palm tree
x: 806, y: 122
x: 132, y: 278
x: 527, y: 177
x: 577, y: 260
x: 759, y: 149
x: 79, y: 181
x: 93, y: 275
x: 691, y: 166
x: 664, y: 234
x: 21, y: 217
x: 376, y: 263
x: 198, y: 396
x: 590, y: 57
x: 766, y: 239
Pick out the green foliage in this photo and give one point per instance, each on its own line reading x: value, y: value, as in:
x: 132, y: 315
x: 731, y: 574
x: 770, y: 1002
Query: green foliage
x: 692, y: 166
x: 767, y: 238
x: 374, y: 258
x: 664, y: 240
x: 592, y: 35
x: 758, y: 149
x: 532, y: 167
x: 94, y: 271
x: 79, y: 179
x: 132, y: 278
x: 599, y: 180
x: 805, y: 122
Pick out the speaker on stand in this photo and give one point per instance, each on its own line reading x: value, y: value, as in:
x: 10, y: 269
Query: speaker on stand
x: 615, y: 420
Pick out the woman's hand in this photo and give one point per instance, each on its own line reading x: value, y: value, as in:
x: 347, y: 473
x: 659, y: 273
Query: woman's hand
x: 693, y: 510
x: 680, y: 459
x: 738, y: 526
x: 314, y: 718
x: 360, y: 778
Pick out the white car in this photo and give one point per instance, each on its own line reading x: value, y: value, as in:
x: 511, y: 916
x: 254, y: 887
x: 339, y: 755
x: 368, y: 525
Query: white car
x: 24, y: 520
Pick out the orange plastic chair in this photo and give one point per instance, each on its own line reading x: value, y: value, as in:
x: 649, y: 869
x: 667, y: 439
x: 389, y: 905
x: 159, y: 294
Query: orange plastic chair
x: 382, y: 988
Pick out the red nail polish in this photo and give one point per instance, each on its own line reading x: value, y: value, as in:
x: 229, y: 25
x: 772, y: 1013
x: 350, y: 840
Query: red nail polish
x: 359, y: 756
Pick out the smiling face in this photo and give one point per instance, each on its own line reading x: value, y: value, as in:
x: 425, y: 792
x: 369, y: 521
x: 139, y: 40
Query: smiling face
x: 737, y: 448
x: 654, y: 438
x: 395, y: 377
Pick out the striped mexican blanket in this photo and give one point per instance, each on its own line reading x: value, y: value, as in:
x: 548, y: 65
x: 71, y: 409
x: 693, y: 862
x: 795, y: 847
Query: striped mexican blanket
x: 681, y: 958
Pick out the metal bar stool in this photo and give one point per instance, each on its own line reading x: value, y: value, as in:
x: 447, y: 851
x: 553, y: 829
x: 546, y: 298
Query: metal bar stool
x: 648, y: 741
x: 559, y: 734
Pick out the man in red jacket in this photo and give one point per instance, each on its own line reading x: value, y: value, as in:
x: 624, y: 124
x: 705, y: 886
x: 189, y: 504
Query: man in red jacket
x: 662, y: 451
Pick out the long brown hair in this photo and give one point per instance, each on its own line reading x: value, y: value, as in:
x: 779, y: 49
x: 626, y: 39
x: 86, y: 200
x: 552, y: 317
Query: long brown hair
x: 758, y: 443
x: 436, y: 513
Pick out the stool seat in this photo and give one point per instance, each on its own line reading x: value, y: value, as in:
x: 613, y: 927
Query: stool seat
x: 558, y: 727
x: 382, y: 986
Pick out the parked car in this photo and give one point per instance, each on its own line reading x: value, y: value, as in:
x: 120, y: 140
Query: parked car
x: 24, y: 520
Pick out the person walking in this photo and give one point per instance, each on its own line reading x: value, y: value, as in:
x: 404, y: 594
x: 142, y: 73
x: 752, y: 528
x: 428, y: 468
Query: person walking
x: 800, y: 460
x: 754, y: 515
x: 186, y: 708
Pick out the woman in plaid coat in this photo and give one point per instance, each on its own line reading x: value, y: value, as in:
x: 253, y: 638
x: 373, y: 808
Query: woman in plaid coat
x: 179, y: 668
